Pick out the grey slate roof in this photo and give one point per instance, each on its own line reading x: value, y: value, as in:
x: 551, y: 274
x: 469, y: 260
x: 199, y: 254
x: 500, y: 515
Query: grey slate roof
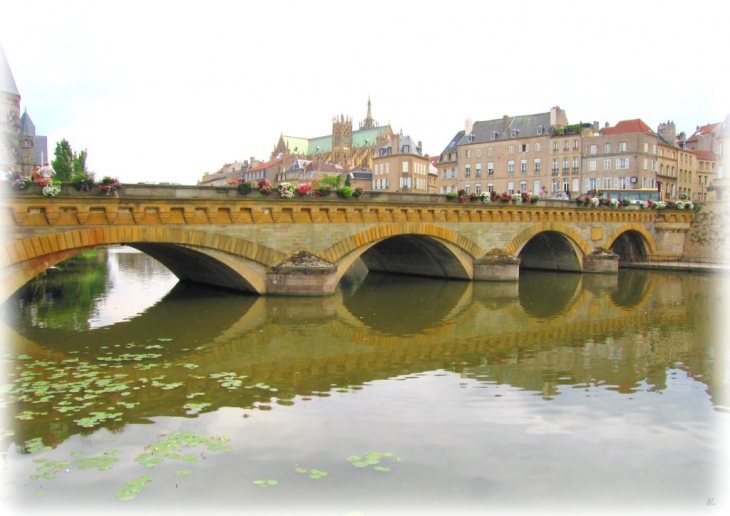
x: 403, y: 140
x: 7, y: 81
x: 523, y: 126
x: 27, y: 127
x: 451, y: 147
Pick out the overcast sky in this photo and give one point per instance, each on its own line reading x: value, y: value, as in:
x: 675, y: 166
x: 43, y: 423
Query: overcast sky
x: 165, y: 91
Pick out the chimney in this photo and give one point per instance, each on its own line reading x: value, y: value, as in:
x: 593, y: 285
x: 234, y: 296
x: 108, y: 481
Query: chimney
x: 596, y: 125
x: 505, y: 123
x: 468, y: 126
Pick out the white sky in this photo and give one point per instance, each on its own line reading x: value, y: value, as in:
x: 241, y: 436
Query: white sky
x: 165, y: 91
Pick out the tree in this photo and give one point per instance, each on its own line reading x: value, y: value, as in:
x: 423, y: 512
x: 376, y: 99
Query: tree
x: 63, y: 164
x: 333, y: 181
x: 79, y: 164
x: 69, y: 164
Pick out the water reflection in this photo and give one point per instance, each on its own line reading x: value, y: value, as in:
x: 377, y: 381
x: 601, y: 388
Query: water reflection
x: 484, y: 388
x: 550, y: 330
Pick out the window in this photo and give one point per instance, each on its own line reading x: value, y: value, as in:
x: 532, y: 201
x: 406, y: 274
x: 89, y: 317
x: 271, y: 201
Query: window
x: 387, y: 168
x: 523, y: 186
x: 511, y: 187
x: 622, y: 147
x: 511, y: 149
x: 566, y: 145
x: 525, y: 147
x: 646, y: 147
x: 490, y: 151
x: 538, y: 165
x: 479, y: 170
x: 593, y: 149
x: 555, y: 166
x: 539, y: 129
x: 622, y: 163
x: 405, y: 166
x: 646, y: 163
x: 479, y: 153
x: 556, y: 185
x: 467, y: 171
x: 592, y: 165
x: 537, y: 147
x: 607, y: 148
x: 575, y: 144
x: 468, y: 189
x: 490, y: 169
x: 523, y: 166
x: 575, y: 165
x: 510, y: 167
x: 490, y: 187
x: 606, y: 164
x: 653, y: 149
x: 606, y: 182
x: 468, y: 153
x: 494, y: 135
x: 593, y: 183
x: 556, y: 145
x: 566, y: 165
x: 478, y: 188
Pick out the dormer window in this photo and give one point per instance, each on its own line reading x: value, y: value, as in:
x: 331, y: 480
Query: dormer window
x: 539, y: 129
x: 494, y: 135
x: 514, y: 132
x: 406, y: 149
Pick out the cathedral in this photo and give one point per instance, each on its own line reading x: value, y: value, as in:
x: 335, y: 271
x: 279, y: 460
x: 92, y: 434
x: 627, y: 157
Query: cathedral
x: 20, y: 148
x: 352, y: 150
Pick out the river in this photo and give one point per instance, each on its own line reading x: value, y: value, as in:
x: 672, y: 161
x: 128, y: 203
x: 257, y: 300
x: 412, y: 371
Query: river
x: 123, y: 390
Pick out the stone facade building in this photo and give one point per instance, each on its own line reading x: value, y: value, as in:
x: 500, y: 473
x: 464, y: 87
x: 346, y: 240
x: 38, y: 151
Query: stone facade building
x: 401, y: 166
x: 20, y: 148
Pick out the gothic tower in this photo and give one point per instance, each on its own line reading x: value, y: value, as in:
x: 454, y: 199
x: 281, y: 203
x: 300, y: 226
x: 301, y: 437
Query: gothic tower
x: 341, y: 139
x: 10, y: 118
x: 368, y: 123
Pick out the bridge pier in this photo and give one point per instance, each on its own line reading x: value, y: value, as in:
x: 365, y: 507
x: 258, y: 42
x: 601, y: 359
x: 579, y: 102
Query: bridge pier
x: 601, y: 261
x: 304, y: 274
x: 497, y: 265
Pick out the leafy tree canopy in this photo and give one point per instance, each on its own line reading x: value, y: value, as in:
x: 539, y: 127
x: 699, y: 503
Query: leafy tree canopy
x: 69, y: 164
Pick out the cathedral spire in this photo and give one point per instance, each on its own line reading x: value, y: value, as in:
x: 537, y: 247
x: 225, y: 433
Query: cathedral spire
x: 368, y: 123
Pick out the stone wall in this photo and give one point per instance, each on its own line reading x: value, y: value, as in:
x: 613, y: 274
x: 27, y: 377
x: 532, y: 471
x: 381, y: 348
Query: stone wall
x: 708, y: 237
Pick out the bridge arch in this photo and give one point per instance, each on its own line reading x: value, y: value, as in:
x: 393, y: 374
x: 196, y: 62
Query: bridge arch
x: 439, y: 251
x: 631, y: 242
x: 190, y: 254
x: 551, y: 246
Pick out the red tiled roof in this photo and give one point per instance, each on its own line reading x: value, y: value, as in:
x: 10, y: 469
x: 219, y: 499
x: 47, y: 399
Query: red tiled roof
x: 628, y: 126
x: 706, y: 155
x: 264, y: 166
x: 702, y: 130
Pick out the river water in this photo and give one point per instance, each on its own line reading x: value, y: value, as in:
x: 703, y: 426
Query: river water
x: 125, y: 391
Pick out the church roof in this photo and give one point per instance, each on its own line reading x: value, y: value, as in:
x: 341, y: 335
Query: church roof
x: 7, y: 82
x: 27, y: 127
x: 307, y: 146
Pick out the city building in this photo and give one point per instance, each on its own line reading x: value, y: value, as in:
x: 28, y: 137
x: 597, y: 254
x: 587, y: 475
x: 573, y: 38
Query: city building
x: 401, y: 166
x: 623, y: 156
x: 344, y: 147
x: 229, y: 174
x: 504, y: 154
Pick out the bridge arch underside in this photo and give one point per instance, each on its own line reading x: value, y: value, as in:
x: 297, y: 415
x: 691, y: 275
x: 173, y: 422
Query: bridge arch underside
x: 552, y: 251
x: 416, y: 255
x: 206, y: 266
x: 630, y: 246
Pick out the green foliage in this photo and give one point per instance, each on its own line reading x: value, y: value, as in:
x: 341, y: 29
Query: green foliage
x: 348, y: 182
x: 333, y: 181
x: 64, y: 161
x: 69, y: 164
x: 346, y: 191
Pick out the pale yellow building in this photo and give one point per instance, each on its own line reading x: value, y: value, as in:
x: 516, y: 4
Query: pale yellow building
x: 401, y: 166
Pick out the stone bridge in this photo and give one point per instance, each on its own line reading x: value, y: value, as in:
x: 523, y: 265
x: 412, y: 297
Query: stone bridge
x: 303, y: 246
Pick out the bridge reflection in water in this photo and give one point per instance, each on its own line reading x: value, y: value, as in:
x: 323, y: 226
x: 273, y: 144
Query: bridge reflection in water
x: 549, y: 330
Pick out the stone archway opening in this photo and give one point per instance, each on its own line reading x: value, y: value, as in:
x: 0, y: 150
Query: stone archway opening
x: 630, y: 247
x: 191, y: 266
x: 414, y: 255
x: 550, y: 251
